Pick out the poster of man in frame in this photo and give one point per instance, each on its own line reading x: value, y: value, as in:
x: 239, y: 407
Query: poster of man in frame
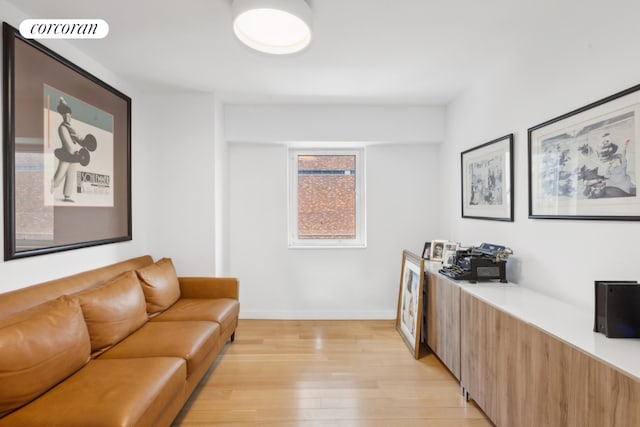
x: 584, y: 165
x: 78, y: 148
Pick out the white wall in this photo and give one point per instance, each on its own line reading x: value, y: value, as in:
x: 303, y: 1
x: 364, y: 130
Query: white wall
x: 277, y: 282
x: 561, y: 258
x: 174, y: 138
x: 221, y: 188
x: 23, y: 272
x: 278, y: 123
x: 180, y: 195
x: 177, y: 178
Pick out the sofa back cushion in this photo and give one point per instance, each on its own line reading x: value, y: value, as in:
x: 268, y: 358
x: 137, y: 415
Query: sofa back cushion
x: 113, y: 310
x: 39, y: 348
x: 160, y: 285
x: 25, y: 298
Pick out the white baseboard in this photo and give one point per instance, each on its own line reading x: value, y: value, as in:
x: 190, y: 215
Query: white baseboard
x: 318, y: 315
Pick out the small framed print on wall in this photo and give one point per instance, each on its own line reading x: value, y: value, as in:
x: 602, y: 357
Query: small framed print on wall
x: 67, y: 153
x: 585, y: 164
x: 487, y: 180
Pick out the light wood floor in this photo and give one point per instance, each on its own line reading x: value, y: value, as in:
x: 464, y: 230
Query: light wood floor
x: 326, y: 373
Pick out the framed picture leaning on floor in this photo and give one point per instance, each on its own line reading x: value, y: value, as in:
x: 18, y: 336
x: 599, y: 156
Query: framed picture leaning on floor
x: 409, y: 310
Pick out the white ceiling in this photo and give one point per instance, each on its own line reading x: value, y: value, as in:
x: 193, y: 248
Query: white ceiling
x: 363, y: 51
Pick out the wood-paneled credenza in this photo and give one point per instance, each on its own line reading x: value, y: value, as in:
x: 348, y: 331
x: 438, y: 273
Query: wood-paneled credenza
x: 443, y: 321
x: 530, y: 360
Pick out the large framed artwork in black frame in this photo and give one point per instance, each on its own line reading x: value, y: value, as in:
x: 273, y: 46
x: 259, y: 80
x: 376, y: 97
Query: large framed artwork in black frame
x: 584, y: 164
x: 67, y: 153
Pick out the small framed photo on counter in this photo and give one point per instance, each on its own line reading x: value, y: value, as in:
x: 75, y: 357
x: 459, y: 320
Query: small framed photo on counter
x: 437, y: 249
x: 426, y: 251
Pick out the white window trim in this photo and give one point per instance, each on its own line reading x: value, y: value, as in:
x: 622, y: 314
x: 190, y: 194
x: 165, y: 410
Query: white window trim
x: 361, y: 230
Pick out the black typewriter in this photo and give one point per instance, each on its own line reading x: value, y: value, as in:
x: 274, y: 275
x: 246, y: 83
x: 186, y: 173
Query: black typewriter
x: 484, y: 262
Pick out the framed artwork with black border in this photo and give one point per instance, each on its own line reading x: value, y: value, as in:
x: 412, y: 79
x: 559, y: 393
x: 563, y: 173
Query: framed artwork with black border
x: 67, y: 153
x: 584, y: 164
x: 487, y: 180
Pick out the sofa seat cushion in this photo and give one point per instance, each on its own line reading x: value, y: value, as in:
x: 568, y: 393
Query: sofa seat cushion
x: 119, y: 392
x: 39, y: 348
x: 113, y: 310
x: 221, y: 310
x: 192, y: 341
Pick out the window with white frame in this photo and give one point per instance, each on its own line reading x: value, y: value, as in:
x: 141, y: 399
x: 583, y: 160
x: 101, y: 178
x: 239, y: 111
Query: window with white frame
x: 326, y: 198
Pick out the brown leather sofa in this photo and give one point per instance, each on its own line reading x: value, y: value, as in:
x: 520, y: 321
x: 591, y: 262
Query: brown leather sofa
x: 122, y: 345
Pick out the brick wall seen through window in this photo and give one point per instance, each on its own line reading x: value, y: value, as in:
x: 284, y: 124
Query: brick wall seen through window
x: 326, y: 197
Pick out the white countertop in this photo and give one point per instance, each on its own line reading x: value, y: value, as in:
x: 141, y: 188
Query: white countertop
x: 569, y: 323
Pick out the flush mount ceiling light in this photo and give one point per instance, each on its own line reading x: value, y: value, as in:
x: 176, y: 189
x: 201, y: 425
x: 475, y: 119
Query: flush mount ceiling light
x: 273, y: 26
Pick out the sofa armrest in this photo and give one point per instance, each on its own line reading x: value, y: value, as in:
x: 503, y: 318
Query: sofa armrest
x: 209, y: 287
